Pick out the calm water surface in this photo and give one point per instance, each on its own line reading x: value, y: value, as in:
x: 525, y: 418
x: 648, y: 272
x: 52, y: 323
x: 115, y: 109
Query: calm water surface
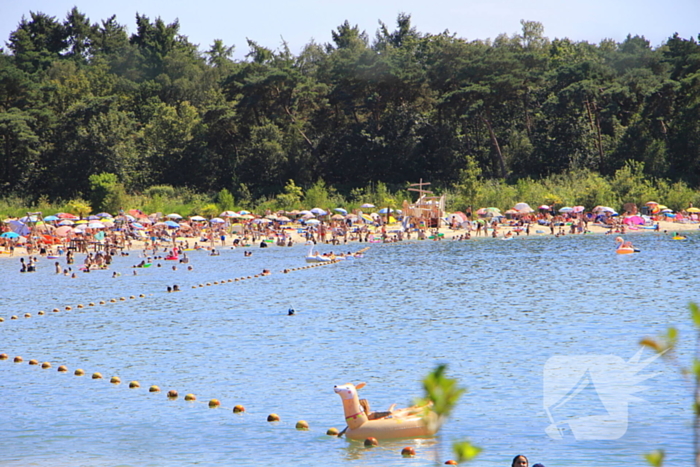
x: 494, y: 310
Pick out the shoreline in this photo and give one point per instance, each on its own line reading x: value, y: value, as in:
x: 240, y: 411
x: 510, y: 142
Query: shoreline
x: 447, y: 234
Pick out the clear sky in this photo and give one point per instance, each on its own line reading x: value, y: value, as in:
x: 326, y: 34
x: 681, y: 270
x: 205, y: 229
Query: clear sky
x: 299, y: 21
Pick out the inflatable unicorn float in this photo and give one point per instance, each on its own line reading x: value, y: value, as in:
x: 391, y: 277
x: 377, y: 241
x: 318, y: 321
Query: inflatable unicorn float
x: 392, y: 424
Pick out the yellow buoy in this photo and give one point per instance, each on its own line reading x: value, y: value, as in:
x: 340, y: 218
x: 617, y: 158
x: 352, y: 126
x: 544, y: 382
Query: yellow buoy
x: 115, y: 380
x: 214, y: 403
x: 122, y: 299
x: 332, y: 432
x: 41, y: 313
x: 273, y: 417
x: 33, y: 362
x: 154, y: 389
x: 302, y: 425
x: 13, y: 317
x: 91, y: 304
x: 80, y: 305
x: 62, y: 369
x: 27, y: 315
x: 96, y: 376
x: 69, y: 308
x: 55, y: 310
x: 238, y: 409
x: 18, y: 359
x: 216, y: 282
x: 46, y: 365
x: 79, y: 372
x: 142, y: 296
x: 2, y: 320
x: 134, y: 384
x: 114, y: 300
x: 3, y: 356
x: 132, y: 297
x: 102, y: 302
x: 190, y: 397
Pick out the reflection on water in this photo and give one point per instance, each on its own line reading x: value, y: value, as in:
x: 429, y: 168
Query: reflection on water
x: 495, y: 311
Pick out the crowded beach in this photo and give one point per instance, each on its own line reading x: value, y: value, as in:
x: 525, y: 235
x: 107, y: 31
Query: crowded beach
x: 102, y: 235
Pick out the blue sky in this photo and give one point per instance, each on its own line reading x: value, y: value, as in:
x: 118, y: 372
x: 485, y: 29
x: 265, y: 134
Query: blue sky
x: 298, y: 21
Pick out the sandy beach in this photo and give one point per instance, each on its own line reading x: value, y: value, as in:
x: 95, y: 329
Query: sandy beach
x: 392, y: 231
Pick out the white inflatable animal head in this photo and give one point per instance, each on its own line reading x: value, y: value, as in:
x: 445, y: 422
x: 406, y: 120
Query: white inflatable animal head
x: 348, y: 391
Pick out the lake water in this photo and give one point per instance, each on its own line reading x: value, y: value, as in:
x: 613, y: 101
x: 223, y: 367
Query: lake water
x: 495, y: 311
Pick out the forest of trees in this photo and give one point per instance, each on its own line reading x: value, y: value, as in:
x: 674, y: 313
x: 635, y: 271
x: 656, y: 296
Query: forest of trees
x: 81, y: 98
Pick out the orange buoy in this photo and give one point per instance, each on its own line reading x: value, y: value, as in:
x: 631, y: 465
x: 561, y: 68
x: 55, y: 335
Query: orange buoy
x: 80, y: 305
x: 33, y: 362
x: 69, y: 308
x: 46, y: 365
x: 238, y: 409
x: 408, y: 451
x: 102, y: 302
x: 451, y: 462
x: 273, y: 417
x: 18, y: 359
x: 369, y: 442
x: 91, y: 304
x: 62, y: 368
x: 114, y: 300
x: 190, y: 397
x: 172, y: 394
x: 55, y: 310
x: 214, y: 403
x: 3, y: 356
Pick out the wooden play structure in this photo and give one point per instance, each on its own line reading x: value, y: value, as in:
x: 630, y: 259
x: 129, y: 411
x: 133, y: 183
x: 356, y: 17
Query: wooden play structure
x: 428, y: 210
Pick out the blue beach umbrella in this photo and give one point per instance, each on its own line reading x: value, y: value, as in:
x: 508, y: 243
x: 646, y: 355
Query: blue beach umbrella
x: 342, y: 211
x: 50, y: 218
x: 9, y: 235
x: 172, y: 224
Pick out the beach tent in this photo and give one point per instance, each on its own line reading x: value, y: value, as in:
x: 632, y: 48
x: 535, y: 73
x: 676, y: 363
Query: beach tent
x: 633, y: 220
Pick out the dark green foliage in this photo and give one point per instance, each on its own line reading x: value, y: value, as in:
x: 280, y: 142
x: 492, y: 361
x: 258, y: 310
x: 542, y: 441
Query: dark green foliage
x: 79, y: 99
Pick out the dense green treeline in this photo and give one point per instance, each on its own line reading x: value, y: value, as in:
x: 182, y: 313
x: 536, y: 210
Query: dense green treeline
x: 81, y: 98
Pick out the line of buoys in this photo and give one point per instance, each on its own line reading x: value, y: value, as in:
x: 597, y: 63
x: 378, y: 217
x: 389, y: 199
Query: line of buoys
x: 301, y: 425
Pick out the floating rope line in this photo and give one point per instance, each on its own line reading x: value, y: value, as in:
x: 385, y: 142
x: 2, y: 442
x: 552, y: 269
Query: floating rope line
x: 207, y: 284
